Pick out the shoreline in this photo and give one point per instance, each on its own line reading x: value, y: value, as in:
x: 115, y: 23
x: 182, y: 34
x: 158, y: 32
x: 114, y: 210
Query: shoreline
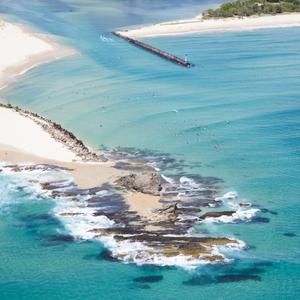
x: 198, y: 25
x: 22, y: 50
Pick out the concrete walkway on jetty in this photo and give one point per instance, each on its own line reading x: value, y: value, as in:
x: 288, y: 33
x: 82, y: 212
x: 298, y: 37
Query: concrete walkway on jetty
x: 170, y: 57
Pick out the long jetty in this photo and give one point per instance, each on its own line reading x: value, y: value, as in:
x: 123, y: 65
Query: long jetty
x: 166, y: 55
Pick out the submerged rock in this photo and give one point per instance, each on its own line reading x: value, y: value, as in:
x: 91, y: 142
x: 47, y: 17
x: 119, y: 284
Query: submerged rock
x: 236, y: 278
x: 290, y: 234
x: 149, y: 279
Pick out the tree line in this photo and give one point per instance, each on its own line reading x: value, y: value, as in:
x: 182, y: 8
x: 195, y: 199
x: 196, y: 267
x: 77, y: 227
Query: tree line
x: 253, y: 7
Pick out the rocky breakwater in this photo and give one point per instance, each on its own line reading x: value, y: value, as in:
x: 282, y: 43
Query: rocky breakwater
x: 57, y: 132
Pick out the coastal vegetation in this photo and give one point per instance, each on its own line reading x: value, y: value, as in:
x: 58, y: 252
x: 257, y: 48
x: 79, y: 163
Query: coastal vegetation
x: 253, y: 7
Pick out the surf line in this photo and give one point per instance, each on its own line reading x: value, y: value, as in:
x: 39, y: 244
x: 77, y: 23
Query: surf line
x: 163, y: 54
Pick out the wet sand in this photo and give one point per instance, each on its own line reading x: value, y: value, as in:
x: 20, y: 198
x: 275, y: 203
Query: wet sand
x: 86, y: 175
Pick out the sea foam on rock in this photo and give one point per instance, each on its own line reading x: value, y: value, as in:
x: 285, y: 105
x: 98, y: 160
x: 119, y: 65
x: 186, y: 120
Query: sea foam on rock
x: 101, y: 213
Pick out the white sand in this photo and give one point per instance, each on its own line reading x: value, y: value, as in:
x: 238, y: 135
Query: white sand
x: 21, y: 50
x: 22, y: 133
x: 198, y: 25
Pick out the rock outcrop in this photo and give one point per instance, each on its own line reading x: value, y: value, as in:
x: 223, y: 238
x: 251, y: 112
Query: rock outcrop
x: 147, y: 183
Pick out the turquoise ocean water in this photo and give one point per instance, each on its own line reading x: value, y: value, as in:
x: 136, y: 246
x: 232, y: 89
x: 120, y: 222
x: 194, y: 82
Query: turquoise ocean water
x: 235, y: 116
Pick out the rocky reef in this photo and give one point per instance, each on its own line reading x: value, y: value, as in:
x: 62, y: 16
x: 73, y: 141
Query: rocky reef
x: 163, y: 237
x: 168, y: 232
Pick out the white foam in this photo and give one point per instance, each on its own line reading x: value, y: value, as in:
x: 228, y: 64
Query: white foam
x: 140, y: 254
x: 231, y: 195
x: 80, y: 226
x: 228, y: 195
x: 153, y: 165
x: 104, y: 38
x: 168, y: 179
x: 244, y: 215
x: 190, y: 184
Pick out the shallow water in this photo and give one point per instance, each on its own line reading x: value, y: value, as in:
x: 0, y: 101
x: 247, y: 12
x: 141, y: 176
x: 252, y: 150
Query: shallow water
x: 235, y: 116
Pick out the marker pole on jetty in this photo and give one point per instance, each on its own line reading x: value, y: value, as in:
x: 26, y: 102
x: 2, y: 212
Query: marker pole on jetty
x: 168, y: 56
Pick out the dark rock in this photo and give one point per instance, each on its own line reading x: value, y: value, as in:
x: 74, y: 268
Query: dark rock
x: 290, y: 234
x: 187, y: 210
x: 266, y: 210
x: 236, y: 278
x: 148, y: 279
x: 142, y: 286
x: 61, y: 238
x: 106, y: 255
x: 216, y: 214
x: 263, y: 264
x: 242, y: 204
x: 16, y: 169
x: 200, y: 280
x: 260, y: 220
x: 38, y: 217
x: 169, y: 209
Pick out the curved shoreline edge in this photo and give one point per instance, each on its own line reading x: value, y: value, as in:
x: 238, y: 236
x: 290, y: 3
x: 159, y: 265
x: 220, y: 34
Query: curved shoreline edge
x: 22, y: 50
x: 80, y: 151
x: 199, y: 25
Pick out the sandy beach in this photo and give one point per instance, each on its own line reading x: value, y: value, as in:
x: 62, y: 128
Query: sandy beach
x: 200, y: 25
x: 21, y: 50
x: 20, y: 132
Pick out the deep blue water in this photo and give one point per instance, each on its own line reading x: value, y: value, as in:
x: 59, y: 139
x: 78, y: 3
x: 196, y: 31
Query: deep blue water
x: 235, y: 116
